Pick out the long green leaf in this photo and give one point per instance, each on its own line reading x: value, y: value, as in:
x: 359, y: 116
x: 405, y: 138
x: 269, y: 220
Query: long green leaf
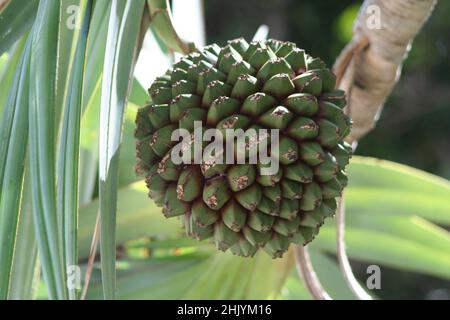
x: 161, y: 23
x: 412, y: 228
x: 378, y: 201
x: 70, y: 143
x: 14, y: 139
x: 165, y: 278
x: 42, y: 146
x: 8, y: 71
x: 127, y: 173
x: 17, y: 17
x: 95, y: 50
x: 121, y: 46
x: 95, y: 54
x: 200, y: 276
x: 294, y: 289
x: 9, y: 80
x: 138, y: 94
x: 403, y: 190
x: 91, y: 101
x: 3, y: 63
x: 243, y: 277
x: 389, y: 175
x: 388, y: 249
x: 69, y: 25
x: 25, y: 273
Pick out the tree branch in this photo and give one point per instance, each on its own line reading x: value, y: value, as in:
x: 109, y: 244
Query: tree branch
x: 3, y: 4
x: 308, y: 275
x: 344, y: 263
x: 92, y: 254
x: 377, y: 68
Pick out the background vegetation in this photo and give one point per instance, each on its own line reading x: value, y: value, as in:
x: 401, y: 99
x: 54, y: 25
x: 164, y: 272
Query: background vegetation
x: 414, y: 126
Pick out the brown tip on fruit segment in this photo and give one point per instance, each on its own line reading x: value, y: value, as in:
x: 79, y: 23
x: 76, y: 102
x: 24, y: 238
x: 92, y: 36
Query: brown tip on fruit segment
x: 291, y: 154
x: 153, y: 139
x: 241, y: 182
x: 280, y: 111
x: 273, y: 180
x: 256, y: 96
x: 212, y: 200
x: 162, y: 164
x: 310, y: 126
x: 180, y: 191
x: 229, y: 123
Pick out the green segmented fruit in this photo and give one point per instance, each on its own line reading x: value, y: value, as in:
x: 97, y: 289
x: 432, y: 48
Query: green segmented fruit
x: 243, y: 248
x: 268, y: 180
x: 202, y: 215
x: 260, y: 221
x: 216, y: 193
x: 269, y: 207
x: 190, y: 184
x: 277, y: 245
x: 276, y: 118
x: 289, y: 208
x: 257, y: 104
x: 303, y: 129
x: 291, y: 189
x: 303, y: 104
x: 269, y: 85
x: 336, y: 96
x: 195, y: 230
x: 287, y: 227
x: 234, y: 216
x: 240, y: 177
x: 250, y: 197
x: 256, y: 238
x: 273, y: 192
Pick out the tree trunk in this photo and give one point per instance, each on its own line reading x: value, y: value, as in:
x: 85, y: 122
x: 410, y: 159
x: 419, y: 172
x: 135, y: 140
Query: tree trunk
x: 371, y: 63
